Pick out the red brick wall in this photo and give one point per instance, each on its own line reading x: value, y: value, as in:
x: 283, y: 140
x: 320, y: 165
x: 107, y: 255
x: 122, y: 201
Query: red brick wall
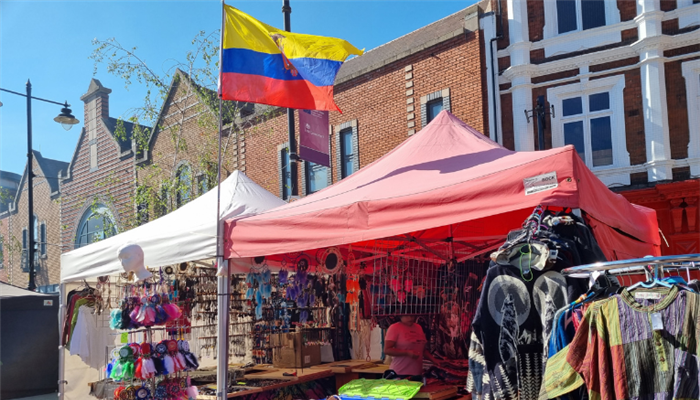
x: 261, y: 150
x: 535, y: 19
x: 187, y: 137
x: 378, y: 101
x: 112, y: 184
x: 559, y: 75
x: 503, y: 63
x: 537, y: 56
x: 47, y: 211
x: 505, y: 40
x: 682, y: 50
x: 629, y: 35
x: 634, y: 115
x: 542, y: 91
x: 628, y: 9
x: 613, y: 64
x: 669, y: 27
x: 668, y: 5
x: 677, y: 110
x: 507, y: 121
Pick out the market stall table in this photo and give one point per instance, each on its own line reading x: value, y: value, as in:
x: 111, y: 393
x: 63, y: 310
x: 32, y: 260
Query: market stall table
x: 436, y: 391
x: 302, y: 376
x: 344, y: 370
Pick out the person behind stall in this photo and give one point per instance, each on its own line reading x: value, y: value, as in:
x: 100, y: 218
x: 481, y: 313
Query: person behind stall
x: 405, y: 343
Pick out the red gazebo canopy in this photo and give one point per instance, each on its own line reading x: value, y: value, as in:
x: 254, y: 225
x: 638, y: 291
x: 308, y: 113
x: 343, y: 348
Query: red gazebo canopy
x: 447, y: 188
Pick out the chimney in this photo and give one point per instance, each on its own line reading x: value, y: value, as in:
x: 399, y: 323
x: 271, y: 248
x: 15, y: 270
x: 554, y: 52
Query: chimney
x: 96, y: 108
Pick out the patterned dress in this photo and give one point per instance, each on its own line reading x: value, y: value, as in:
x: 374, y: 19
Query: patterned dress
x: 641, y: 346
x: 514, y: 316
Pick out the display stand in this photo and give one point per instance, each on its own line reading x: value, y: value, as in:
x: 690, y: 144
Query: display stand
x: 637, y: 266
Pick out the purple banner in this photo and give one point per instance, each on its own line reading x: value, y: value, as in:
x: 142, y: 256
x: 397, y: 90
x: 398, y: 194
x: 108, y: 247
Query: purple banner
x: 314, y: 141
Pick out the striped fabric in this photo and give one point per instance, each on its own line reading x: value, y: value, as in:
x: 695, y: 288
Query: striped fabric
x: 618, y: 355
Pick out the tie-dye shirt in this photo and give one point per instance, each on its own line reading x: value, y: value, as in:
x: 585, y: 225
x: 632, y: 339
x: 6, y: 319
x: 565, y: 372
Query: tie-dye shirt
x: 618, y: 354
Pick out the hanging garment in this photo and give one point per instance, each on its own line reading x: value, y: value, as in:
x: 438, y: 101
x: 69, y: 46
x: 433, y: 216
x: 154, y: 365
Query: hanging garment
x: 514, y: 317
x: 89, y: 341
x: 630, y: 347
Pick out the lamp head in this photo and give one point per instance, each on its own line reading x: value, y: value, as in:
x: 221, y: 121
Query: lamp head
x: 66, y: 119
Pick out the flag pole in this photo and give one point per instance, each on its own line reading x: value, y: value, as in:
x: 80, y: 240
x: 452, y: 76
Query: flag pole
x: 223, y: 273
x: 293, y: 158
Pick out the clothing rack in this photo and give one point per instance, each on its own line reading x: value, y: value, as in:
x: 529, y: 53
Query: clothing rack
x: 638, y: 265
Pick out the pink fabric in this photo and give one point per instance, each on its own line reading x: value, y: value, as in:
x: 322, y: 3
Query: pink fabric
x: 447, y: 180
x: 617, y: 246
x: 409, y: 338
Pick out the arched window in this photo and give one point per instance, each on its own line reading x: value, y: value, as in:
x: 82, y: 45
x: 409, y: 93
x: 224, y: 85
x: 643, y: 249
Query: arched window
x: 184, y: 185
x: 97, y: 224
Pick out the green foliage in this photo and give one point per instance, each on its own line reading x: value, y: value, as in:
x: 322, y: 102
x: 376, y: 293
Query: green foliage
x: 185, y: 89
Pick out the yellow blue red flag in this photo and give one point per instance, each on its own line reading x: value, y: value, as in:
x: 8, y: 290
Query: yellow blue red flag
x: 262, y: 64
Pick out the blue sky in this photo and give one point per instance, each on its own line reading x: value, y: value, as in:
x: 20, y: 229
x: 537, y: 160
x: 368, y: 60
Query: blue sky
x: 49, y: 42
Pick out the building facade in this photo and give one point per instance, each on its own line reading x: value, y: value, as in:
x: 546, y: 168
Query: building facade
x: 14, y: 220
x: 386, y: 95
x: 619, y: 81
x: 98, y: 186
x: 178, y: 160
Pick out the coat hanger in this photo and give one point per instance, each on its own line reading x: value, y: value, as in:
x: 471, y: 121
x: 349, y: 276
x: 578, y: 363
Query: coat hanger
x: 655, y: 280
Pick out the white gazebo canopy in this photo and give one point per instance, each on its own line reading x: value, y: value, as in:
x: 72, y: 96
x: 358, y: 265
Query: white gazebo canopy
x: 186, y: 234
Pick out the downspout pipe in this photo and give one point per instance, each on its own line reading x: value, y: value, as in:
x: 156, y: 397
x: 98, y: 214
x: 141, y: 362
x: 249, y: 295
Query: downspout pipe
x: 494, y: 68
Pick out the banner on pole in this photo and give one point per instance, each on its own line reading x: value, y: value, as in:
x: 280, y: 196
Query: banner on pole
x: 314, y: 140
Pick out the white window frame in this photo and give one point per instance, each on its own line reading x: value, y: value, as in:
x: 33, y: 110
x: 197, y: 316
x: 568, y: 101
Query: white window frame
x: 618, y: 172
x: 305, y: 177
x: 43, y: 241
x: 555, y: 43
x: 691, y: 73
x: 338, y: 129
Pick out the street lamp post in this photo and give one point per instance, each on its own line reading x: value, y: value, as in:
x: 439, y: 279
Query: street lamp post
x: 67, y: 120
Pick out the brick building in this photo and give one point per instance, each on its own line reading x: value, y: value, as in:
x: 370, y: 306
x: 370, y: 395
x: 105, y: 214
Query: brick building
x: 98, y: 186
x: 177, y: 161
x: 623, y: 78
x: 47, y: 227
x: 9, y: 182
x: 386, y: 95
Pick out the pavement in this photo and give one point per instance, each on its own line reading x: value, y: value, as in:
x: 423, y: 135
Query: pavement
x: 50, y: 396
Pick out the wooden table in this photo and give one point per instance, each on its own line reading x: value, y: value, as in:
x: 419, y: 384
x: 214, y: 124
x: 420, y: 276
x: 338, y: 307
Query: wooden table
x: 378, y: 369
x: 305, y: 375
x: 344, y: 370
x: 436, y: 391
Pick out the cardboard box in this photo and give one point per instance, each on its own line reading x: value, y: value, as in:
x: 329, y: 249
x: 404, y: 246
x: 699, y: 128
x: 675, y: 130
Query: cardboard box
x: 288, y: 351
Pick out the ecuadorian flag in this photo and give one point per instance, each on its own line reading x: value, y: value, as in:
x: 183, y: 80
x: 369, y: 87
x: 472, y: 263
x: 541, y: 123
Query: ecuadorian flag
x: 262, y: 64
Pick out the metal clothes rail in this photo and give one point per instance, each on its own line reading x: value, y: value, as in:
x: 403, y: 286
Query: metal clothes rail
x: 637, y: 265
